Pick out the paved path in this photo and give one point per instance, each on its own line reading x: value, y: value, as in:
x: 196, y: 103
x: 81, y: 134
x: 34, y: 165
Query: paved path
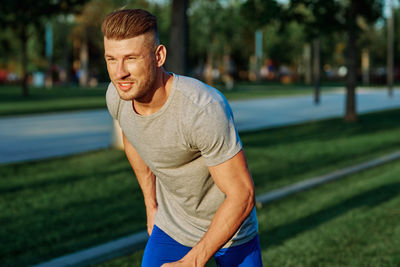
x: 25, y: 138
x: 261, y: 113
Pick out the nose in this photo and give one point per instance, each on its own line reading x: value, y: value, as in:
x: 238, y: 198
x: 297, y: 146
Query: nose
x: 122, y: 71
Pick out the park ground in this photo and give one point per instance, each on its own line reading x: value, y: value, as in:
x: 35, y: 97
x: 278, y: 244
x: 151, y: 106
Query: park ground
x: 58, y: 206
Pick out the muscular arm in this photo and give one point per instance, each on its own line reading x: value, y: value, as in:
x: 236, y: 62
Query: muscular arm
x: 146, y: 179
x: 234, y: 179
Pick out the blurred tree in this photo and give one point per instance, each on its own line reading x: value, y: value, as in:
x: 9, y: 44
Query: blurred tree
x: 259, y: 13
x: 342, y: 16
x: 283, y: 44
x: 320, y: 22
x: 377, y: 39
x: 178, y: 39
x: 218, y: 41
x: 355, y: 12
x: 19, y: 15
x: 8, y: 52
x: 87, y: 40
x: 390, y: 50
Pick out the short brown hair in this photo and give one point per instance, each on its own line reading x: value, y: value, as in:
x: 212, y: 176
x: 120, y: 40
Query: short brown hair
x: 129, y: 23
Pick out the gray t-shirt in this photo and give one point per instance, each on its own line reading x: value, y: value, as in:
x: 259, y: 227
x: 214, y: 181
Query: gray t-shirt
x: 193, y: 130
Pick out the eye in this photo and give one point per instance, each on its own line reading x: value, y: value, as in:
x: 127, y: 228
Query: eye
x: 131, y: 58
x: 110, y: 59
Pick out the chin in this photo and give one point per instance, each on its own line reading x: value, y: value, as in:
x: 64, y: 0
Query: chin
x: 127, y: 96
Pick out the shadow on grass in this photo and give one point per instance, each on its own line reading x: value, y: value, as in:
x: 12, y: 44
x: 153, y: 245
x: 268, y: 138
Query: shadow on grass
x: 300, y: 165
x: 344, y: 143
x: 280, y: 234
x: 76, y: 204
x: 42, y: 234
x: 64, y: 180
x: 17, y: 177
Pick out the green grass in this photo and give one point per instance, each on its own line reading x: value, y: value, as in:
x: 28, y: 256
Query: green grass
x: 285, y: 155
x: 251, y: 90
x: 351, y: 222
x: 53, y: 207
x: 56, y: 99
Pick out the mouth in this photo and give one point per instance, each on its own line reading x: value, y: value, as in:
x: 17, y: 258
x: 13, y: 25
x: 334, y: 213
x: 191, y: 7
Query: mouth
x: 125, y: 86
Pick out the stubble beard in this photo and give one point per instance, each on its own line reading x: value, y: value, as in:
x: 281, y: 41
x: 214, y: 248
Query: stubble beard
x: 140, y: 92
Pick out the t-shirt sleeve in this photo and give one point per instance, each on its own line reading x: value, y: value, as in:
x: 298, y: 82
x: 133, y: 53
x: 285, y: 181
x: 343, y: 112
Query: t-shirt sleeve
x: 214, y: 133
x: 113, y: 101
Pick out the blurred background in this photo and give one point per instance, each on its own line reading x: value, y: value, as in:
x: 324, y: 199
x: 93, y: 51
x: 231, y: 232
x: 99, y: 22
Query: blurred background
x: 49, y: 43
x: 313, y: 85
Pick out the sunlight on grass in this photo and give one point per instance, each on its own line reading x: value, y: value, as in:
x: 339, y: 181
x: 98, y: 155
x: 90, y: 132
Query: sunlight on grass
x: 54, y: 207
x: 351, y: 222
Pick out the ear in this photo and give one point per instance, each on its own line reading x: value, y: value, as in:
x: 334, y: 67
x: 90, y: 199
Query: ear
x: 161, y: 55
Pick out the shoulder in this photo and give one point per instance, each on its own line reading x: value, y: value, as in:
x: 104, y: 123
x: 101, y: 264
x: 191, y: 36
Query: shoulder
x: 113, y: 100
x: 200, y: 103
x: 197, y: 92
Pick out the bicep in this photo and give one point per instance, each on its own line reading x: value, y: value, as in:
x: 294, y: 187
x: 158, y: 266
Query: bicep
x: 233, y: 176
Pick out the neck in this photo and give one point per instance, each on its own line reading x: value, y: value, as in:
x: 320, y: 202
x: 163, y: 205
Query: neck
x: 162, y: 89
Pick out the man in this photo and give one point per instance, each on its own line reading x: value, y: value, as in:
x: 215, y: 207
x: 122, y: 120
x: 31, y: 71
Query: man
x: 179, y: 137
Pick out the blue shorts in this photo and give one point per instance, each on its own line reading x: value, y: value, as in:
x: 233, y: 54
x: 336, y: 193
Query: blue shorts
x: 161, y: 249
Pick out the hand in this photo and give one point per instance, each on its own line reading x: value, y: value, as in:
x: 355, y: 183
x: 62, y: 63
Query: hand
x: 151, y: 215
x: 179, y: 263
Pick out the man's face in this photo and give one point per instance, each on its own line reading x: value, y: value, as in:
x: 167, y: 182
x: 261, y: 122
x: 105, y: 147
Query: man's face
x: 131, y: 66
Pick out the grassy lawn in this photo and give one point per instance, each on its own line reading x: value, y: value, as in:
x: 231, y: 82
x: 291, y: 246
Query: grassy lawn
x: 289, y: 154
x: 50, y: 100
x: 75, y: 98
x: 251, y: 90
x: 54, y: 207
x: 351, y: 222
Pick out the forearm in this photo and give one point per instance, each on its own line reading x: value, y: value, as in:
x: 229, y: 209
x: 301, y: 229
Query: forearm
x: 148, y: 185
x: 224, y: 225
x: 146, y: 180
x: 144, y: 175
x: 234, y: 179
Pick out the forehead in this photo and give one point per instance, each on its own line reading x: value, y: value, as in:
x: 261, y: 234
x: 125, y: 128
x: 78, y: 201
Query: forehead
x: 135, y: 45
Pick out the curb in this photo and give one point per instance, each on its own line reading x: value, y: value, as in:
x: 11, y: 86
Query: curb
x: 100, y: 253
x: 131, y: 243
x: 307, y: 184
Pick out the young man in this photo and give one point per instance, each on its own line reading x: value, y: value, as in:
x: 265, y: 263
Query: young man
x: 179, y: 137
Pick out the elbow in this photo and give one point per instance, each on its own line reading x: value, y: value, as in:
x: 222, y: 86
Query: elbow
x: 249, y: 200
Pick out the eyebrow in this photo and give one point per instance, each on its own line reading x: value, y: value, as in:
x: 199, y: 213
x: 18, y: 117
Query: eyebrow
x: 107, y: 55
x: 127, y: 55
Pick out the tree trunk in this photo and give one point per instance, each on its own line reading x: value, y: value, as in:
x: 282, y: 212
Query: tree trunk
x: 351, y: 114
x: 24, y: 46
x: 258, y: 51
x: 49, y: 55
x: 316, y: 69
x: 307, y: 63
x: 84, y: 63
x: 365, y: 66
x: 390, y: 50
x: 178, y: 44
x: 208, y: 70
